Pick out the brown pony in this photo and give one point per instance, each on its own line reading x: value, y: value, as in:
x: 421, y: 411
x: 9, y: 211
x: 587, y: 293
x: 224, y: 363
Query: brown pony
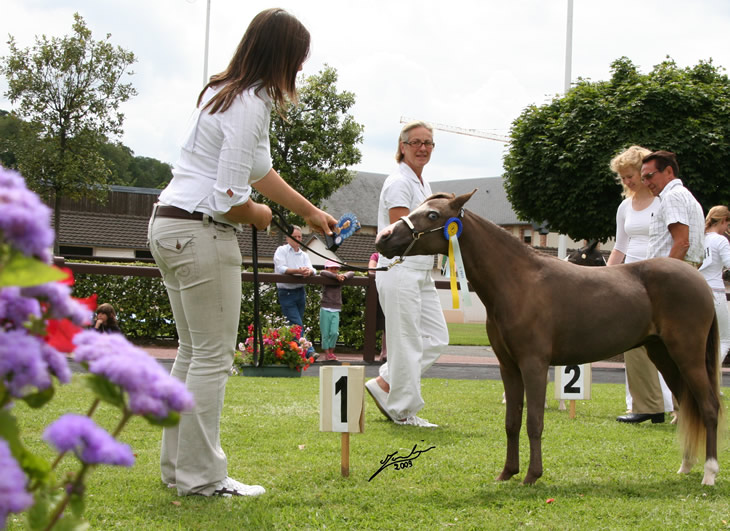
x: 543, y: 311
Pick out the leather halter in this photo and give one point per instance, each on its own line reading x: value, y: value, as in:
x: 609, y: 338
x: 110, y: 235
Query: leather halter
x: 416, y: 235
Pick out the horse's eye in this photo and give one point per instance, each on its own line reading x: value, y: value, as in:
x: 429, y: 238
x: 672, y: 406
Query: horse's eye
x: 433, y: 216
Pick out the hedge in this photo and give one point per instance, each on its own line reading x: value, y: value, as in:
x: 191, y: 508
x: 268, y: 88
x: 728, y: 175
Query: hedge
x: 144, y: 313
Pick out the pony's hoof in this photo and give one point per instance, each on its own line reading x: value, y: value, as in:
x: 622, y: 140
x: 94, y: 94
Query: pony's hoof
x: 711, y: 470
x: 685, y: 468
x: 505, y: 476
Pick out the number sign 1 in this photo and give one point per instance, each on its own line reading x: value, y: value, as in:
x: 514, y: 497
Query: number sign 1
x: 342, y: 399
x: 573, y: 382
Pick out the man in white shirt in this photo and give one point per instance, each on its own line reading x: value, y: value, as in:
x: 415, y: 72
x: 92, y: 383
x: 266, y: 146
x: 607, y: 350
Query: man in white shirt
x: 289, y: 259
x: 677, y: 230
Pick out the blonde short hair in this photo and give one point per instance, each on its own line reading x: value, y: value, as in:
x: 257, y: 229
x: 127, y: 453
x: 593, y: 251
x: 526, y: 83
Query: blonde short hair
x: 630, y: 158
x: 405, y: 136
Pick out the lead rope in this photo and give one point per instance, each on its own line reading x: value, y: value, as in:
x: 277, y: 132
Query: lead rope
x: 258, y: 340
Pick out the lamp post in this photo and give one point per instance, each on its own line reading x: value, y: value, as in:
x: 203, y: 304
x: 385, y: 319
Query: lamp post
x: 562, y: 239
x: 207, y: 39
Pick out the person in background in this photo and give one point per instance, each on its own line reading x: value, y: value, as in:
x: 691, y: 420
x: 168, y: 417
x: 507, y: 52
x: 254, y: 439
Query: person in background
x: 417, y: 332
x: 379, y: 318
x: 647, y: 395
x: 192, y: 235
x: 717, y: 257
x: 289, y: 259
x: 106, y: 319
x: 677, y: 229
x: 331, y: 306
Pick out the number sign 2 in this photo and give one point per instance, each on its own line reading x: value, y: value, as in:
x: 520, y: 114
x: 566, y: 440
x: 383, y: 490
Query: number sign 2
x: 342, y: 399
x: 573, y: 382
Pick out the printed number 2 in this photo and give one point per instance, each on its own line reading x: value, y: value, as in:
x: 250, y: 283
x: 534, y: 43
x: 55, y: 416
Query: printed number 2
x: 341, y: 387
x: 569, y: 388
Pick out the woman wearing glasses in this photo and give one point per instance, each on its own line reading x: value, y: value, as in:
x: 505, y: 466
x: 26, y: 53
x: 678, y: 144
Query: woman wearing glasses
x: 647, y: 395
x: 417, y: 333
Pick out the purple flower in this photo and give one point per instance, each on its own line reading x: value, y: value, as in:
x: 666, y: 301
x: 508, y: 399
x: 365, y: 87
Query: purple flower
x: 13, y: 496
x: 16, y: 309
x: 22, y: 364
x: 61, y: 304
x: 89, y: 442
x: 57, y: 363
x: 151, y: 390
x: 24, y: 219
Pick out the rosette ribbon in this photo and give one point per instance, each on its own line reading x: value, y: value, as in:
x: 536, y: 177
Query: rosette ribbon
x: 452, y: 231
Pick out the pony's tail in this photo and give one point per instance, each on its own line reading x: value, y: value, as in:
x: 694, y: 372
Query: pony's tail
x: 692, y: 432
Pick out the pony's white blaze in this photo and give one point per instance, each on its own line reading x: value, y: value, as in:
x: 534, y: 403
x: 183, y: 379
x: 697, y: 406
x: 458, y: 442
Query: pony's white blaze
x: 711, y: 470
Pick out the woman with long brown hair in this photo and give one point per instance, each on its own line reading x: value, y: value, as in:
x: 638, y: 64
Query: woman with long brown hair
x: 192, y: 235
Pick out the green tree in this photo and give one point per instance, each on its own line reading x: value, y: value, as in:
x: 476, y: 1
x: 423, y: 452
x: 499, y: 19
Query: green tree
x: 557, y: 168
x: 314, y: 144
x: 69, y: 93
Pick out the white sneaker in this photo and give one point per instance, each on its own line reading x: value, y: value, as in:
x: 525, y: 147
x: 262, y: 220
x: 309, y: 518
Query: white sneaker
x: 380, y: 397
x: 416, y: 421
x: 230, y: 487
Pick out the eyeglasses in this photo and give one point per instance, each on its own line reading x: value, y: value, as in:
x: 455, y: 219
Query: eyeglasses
x: 649, y: 175
x: 418, y: 143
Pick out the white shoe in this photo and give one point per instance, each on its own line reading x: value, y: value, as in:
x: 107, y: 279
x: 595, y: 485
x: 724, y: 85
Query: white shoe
x: 380, y: 397
x: 416, y: 421
x: 229, y: 487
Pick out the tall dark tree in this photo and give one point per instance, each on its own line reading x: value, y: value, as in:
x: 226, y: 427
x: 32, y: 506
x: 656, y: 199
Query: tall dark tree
x: 317, y: 140
x: 557, y: 168
x: 68, y: 90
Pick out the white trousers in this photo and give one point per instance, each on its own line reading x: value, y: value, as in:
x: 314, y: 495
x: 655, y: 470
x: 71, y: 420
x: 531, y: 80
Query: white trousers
x: 201, y: 267
x: 722, y: 322
x: 417, y: 334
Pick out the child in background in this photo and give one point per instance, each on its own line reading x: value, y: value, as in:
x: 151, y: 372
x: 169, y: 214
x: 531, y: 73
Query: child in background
x: 331, y: 305
x: 106, y: 319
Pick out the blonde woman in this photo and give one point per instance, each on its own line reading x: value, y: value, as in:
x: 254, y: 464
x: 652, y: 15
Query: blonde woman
x: 717, y: 257
x: 647, y: 395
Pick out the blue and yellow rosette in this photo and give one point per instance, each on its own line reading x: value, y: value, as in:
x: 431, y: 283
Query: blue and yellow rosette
x: 452, y: 231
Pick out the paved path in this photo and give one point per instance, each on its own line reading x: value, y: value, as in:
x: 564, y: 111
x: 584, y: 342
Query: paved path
x: 459, y: 362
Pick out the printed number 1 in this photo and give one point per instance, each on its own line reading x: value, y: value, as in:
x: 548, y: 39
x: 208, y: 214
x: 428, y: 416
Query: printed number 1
x: 569, y: 388
x: 341, y: 387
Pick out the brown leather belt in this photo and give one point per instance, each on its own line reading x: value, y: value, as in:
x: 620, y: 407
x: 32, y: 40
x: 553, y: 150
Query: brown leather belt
x: 164, y: 211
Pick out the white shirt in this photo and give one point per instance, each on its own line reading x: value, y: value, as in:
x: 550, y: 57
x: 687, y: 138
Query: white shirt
x: 717, y: 256
x: 678, y: 205
x: 403, y: 189
x: 632, y: 229
x: 221, y: 155
x: 285, y: 258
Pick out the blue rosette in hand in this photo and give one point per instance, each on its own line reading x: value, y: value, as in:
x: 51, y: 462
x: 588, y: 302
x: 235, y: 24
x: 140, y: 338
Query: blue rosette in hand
x: 346, y: 227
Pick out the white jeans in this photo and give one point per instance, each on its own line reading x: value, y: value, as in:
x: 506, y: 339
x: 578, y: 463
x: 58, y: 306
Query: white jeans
x: 722, y: 322
x: 417, y: 334
x: 200, y: 264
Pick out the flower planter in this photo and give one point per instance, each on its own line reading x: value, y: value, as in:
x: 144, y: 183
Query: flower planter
x: 271, y: 371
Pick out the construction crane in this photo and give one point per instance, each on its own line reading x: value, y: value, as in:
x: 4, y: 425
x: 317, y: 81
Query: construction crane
x: 462, y: 131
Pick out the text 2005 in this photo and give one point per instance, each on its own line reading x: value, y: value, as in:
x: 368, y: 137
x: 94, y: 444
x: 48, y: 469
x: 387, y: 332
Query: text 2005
x: 402, y: 465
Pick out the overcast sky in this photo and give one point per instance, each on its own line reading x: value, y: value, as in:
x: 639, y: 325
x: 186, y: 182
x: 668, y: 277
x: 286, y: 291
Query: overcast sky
x: 468, y: 64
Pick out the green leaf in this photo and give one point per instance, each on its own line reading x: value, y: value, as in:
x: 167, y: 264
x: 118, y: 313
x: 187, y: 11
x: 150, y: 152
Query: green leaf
x: 172, y: 419
x: 105, y: 390
x: 76, y: 503
x: 23, y: 271
x: 40, y: 398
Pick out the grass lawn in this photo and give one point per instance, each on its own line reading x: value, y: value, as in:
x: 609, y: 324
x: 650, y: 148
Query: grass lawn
x: 468, y: 334
x: 599, y: 473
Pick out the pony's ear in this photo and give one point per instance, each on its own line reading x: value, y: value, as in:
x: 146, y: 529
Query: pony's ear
x: 592, y: 245
x: 460, y: 200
